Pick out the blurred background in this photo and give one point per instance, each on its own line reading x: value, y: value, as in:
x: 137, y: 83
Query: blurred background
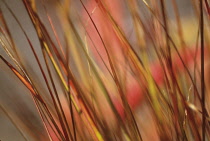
x: 15, y: 100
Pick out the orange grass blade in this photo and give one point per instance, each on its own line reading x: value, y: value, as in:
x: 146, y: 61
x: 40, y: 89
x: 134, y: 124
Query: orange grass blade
x: 22, y: 79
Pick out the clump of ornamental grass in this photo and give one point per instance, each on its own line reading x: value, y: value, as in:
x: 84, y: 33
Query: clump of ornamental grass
x: 103, y: 70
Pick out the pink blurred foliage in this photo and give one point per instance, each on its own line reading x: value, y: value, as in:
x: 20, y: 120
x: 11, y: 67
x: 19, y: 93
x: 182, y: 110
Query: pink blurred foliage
x: 134, y: 93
